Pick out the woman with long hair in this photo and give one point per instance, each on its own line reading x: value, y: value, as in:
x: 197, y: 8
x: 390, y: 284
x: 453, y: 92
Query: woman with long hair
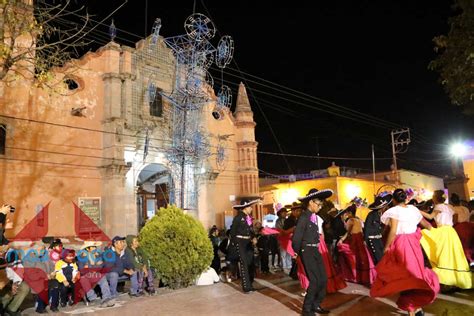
x: 443, y: 246
x: 402, y: 270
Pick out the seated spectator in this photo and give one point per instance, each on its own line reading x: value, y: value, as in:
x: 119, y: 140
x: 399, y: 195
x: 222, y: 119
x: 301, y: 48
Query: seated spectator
x: 12, y: 297
x: 67, y: 274
x: 141, y: 264
x: 208, y: 277
x: 215, y: 240
x: 55, y: 255
x: 91, y: 267
x: 40, y: 275
x: 119, y: 267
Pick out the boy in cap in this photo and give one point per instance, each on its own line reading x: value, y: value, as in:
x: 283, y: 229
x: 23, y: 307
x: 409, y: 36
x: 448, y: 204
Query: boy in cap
x: 67, y: 274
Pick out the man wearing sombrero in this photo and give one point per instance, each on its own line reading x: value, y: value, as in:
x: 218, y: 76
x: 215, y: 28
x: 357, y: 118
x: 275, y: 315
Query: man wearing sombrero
x: 373, y: 226
x: 305, y: 243
x: 242, y: 235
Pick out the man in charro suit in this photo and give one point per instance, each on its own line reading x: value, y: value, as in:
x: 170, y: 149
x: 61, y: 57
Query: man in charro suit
x: 305, y: 243
x: 243, y: 241
x: 373, y: 226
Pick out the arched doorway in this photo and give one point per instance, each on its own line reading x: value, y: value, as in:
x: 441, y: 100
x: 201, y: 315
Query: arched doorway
x: 154, y: 186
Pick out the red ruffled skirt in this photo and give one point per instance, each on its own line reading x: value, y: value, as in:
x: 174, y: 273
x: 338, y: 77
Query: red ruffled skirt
x: 465, y: 232
x: 355, y: 260
x: 335, y: 281
x: 402, y: 270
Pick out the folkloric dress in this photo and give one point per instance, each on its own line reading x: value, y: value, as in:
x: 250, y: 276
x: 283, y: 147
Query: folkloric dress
x: 402, y: 269
x: 445, y: 252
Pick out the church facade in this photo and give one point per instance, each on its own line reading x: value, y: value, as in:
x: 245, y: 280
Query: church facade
x: 102, y: 143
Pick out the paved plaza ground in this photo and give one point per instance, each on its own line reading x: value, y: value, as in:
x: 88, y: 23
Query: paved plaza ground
x: 276, y: 295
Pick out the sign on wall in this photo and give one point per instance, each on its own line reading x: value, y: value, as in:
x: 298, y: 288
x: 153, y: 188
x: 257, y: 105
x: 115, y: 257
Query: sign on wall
x: 91, y: 207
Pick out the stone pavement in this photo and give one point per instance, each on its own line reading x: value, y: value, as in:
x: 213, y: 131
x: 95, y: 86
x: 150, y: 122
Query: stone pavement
x: 276, y: 295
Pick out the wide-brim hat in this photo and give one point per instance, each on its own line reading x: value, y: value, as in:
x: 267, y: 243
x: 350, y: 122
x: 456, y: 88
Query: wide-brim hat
x: 296, y: 206
x: 316, y: 194
x: 245, y: 203
x: 381, y: 202
x: 283, y: 209
x: 90, y: 243
x: 351, y: 208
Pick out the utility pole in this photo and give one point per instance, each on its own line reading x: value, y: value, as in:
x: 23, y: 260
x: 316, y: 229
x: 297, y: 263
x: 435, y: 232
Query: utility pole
x: 373, y: 169
x: 400, y: 141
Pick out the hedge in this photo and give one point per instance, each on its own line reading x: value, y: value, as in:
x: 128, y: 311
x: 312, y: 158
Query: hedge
x: 177, y: 245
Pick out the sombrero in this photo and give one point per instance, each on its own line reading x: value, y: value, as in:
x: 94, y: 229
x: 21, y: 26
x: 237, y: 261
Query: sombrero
x: 90, y: 243
x: 380, y: 202
x: 351, y: 208
x: 283, y: 209
x: 296, y: 206
x: 245, y: 203
x: 316, y: 194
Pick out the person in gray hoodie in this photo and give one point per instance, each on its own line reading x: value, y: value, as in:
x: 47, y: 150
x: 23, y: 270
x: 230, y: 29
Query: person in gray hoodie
x: 141, y: 263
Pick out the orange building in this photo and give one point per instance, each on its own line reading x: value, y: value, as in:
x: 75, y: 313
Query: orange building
x: 85, y: 143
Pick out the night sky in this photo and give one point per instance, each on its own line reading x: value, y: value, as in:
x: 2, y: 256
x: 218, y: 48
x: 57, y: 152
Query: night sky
x: 371, y: 57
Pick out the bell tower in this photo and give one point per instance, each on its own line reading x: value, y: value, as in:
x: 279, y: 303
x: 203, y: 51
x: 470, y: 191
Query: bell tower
x: 247, y: 149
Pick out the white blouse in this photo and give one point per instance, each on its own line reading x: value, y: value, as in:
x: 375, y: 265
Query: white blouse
x: 445, y: 215
x: 408, y: 218
x: 320, y: 224
x: 463, y: 213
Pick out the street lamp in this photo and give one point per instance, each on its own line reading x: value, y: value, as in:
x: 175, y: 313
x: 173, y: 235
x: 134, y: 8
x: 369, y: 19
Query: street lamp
x: 458, y: 150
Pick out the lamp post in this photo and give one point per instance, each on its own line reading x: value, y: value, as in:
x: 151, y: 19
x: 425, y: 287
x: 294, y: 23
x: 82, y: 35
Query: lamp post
x: 459, y: 182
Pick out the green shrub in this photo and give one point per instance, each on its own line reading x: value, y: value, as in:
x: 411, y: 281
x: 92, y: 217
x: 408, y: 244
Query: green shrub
x: 177, y: 245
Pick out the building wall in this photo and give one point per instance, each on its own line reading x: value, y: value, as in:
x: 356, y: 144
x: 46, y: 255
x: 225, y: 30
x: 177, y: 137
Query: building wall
x: 468, y: 165
x: 53, y: 156
x: 416, y: 180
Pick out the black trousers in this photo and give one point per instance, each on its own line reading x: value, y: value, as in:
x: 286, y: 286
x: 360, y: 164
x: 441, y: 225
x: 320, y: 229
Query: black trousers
x: 247, y: 265
x: 316, y: 273
x: 264, y: 253
x: 375, y: 246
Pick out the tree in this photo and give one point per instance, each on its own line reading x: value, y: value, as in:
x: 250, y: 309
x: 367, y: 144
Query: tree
x: 455, y: 62
x: 34, y: 38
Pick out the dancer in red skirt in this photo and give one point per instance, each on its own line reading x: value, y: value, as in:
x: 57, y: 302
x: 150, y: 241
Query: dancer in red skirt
x: 401, y: 269
x: 355, y: 259
x: 463, y: 227
x: 335, y: 281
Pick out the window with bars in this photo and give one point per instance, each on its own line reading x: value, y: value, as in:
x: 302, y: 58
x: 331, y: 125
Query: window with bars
x: 3, y: 138
x: 156, y: 104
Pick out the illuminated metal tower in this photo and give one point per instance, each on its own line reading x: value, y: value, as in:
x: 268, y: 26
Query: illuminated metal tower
x: 191, y: 148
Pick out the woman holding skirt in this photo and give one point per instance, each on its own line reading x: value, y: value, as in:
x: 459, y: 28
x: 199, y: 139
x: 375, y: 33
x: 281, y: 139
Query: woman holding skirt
x: 443, y: 246
x: 401, y: 269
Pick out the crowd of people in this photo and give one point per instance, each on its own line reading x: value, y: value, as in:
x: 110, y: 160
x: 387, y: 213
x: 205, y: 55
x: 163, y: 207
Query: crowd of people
x: 59, y: 277
x: 430, y: 245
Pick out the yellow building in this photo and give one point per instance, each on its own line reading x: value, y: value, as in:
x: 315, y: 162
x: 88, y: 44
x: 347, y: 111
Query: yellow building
x: 346, y: 188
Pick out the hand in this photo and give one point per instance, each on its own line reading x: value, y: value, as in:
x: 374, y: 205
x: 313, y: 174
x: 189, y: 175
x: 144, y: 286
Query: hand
x: 5, y: 209
x: 129, y: 271
x: 15, y: 287
x: 66, y: 283
x: 52, y: 275
x: 145, y: 273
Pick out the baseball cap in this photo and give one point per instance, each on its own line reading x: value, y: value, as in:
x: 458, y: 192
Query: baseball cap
x: 117, y: 238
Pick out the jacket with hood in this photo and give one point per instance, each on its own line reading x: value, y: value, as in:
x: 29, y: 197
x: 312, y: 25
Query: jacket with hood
x: 137, y: 256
